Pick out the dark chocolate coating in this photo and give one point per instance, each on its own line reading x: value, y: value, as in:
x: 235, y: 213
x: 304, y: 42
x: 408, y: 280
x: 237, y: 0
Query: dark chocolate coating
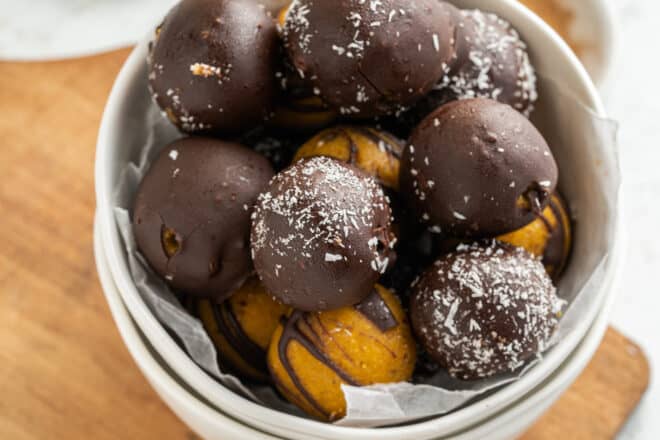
x: 212, y: 65
x: 558, y: 249
x: 370, y: 58
x: 321, y: 235
x: 375, y: 309
x: 191, y: 215
x: 491, y: 61
x: 477, y: 168
x: 484, y: 309
x: 230, y: 328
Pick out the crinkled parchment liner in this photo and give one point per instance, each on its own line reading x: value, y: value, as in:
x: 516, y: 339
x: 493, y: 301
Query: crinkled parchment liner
x: 585, y: 148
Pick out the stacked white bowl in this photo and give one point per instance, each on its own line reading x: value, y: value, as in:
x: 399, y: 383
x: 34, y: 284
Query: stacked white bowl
x: 216, y: 412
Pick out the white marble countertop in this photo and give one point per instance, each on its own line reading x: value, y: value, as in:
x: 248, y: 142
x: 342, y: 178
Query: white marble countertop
x: 56, y: 28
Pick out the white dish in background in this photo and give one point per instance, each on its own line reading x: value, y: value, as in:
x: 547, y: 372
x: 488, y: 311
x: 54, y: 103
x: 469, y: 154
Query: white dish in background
x: 590, y: 25
x: 212, y: 424
x: 551, y: 56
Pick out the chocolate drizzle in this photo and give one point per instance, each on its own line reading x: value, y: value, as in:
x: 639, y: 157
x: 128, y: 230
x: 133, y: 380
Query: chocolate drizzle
x: 376, y: 310
x: 232, y: 330
x: 557, y: 248
x: 292, y: 332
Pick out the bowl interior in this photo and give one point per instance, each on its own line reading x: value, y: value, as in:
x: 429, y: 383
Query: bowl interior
x: 212, y: 424
x: 117, y: 148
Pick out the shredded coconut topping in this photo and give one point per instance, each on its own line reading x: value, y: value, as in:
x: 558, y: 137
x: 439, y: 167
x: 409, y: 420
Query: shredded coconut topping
x: 325, y: 207
x: 495, y: 47
x: 488, y: 309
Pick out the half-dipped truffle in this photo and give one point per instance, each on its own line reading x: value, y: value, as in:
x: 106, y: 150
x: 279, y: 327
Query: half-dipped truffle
x: 241, y: 328
x: 548, y: 237
x: 212, y: 65
x: 375, y: 152
x: 191, y: 214
x: 484, y: 309
x: 312, y: 354
x: 341, y: 48
x: 321, y: 235
x: 477, y: 168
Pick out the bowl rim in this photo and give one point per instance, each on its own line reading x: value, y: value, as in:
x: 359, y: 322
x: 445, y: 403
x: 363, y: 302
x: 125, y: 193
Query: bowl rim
x: 252, y: 413
x: 168, y: 388
x: 538, y: 399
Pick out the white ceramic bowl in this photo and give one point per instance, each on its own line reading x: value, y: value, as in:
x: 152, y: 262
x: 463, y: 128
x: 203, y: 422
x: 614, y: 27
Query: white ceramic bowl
x: 212, y: 424
x: 551, y: 56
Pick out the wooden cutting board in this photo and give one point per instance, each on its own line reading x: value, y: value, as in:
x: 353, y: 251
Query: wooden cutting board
x: 64, y: 372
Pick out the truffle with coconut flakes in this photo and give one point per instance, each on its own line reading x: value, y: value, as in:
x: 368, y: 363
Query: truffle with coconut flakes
x: 484, y: 309
x: 321, y: 235
x: 370, y: 57
x: 213, y: 64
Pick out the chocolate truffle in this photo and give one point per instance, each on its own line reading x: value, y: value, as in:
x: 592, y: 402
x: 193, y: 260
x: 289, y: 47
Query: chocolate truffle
x: 491, y: 62
x: 548, y: 237
x: 477, y: 168
x: 484, y: 309
x: 375, y: 152
x: 312, y: 354
x: 369, y: 58
x: 212, y: 65
x: 241, y: 328
x: 321, y: 235
x: 191, y: 215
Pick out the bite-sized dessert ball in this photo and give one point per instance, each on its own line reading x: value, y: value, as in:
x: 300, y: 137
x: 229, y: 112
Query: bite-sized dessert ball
x: 375, y: 152
x: 212, y: 65
x: 548, y: 237
x: 321, y: 235
x: 477, y: 168
x: 191, y: 214
x: 491, y: 62
x: 241, y: 328
x: 369, y: 58
x: 313, y: 353
x: 484, y: 309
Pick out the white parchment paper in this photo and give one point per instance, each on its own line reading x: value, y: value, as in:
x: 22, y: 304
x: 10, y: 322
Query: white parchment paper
x: 584, y: 146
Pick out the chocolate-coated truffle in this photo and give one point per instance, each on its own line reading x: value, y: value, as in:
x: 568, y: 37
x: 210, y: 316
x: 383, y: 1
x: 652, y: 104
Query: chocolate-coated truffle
x: 212, y: 65
x: 491, y: 62
x: 241, y: 328
x: 477, y: 168
x: 370, y: 58
x: 321, y: 235
x: 484, y: 309
x: 548, y: 237
x: 375, y: 152
x: 312, y: 354
x: 191, y: 215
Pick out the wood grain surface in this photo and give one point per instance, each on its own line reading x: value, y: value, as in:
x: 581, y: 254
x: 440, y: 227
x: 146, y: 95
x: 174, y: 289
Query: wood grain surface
x: 64, y: 372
